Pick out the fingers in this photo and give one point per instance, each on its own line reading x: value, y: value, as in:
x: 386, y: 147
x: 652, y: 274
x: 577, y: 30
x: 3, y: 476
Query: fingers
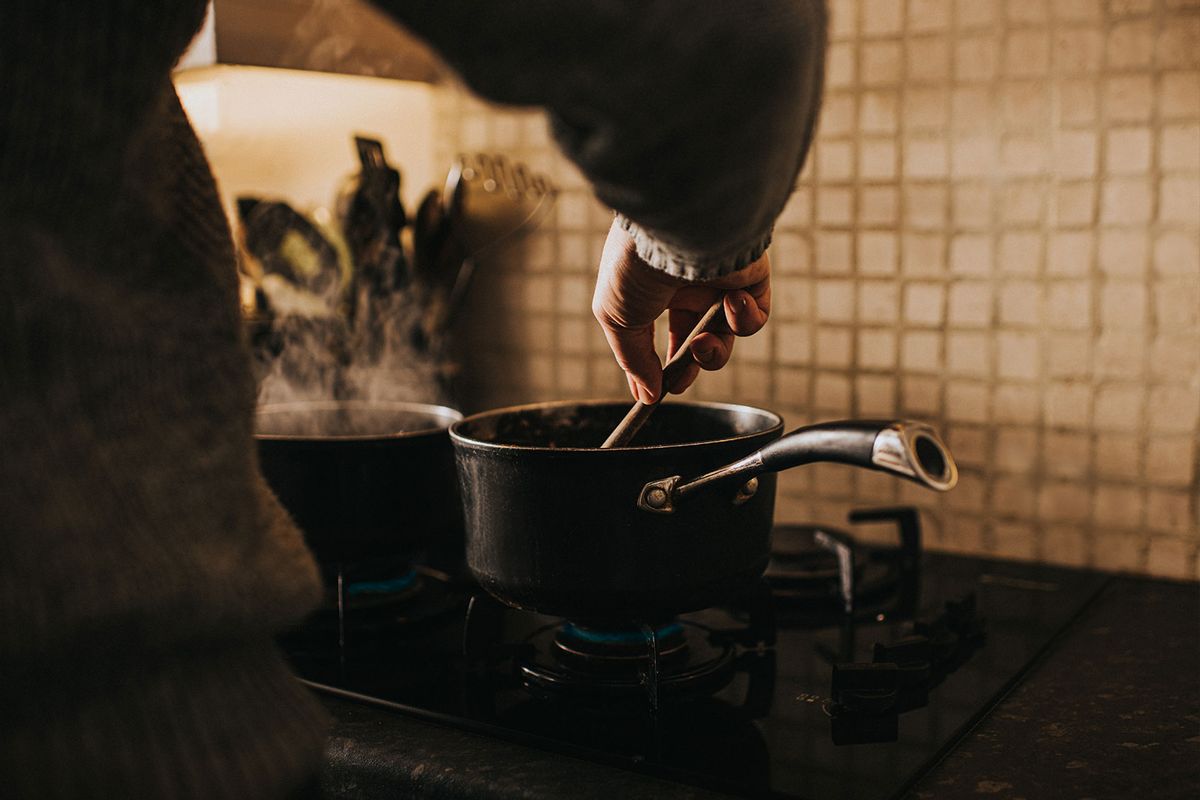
x: 629, y: 296
x: 634, y: 351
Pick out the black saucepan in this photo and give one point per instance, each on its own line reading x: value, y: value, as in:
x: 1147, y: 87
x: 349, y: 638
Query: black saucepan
x: 679, y: 522
x: 362, y: 480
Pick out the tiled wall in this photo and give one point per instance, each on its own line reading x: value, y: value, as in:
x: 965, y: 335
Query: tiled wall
x: 997, y: 232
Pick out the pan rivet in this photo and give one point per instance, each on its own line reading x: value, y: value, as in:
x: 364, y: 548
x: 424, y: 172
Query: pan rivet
x: 747, y: 491
x: 656, y: 497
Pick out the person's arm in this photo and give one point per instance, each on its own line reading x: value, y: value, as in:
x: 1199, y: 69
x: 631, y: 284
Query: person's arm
x: 690, y: 117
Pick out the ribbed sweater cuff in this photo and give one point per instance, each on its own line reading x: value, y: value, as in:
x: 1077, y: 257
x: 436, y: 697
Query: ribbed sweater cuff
x: 218, y: 724
x: 689, y: 266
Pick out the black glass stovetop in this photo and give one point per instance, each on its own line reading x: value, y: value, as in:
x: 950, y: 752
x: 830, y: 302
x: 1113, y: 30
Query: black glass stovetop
x: 780, y: 727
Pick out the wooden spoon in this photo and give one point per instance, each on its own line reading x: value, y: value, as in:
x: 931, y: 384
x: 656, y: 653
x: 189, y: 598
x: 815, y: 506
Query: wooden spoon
x: 634, y: 420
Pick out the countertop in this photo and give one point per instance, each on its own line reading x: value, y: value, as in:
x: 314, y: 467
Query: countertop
x: 1112, y: 710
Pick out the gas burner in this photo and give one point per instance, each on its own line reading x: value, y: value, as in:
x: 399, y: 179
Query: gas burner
x: 623, y: 668
x: 822, y: 574
x: 369, y: 607
x: 583, y: 663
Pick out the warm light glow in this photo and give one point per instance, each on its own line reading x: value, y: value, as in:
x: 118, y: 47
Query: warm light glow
x: 288, y: 134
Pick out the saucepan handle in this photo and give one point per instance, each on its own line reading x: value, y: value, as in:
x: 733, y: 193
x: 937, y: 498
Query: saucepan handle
x: 909, y: 450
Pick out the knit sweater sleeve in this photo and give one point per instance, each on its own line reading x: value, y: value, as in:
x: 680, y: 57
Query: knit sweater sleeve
x: 144, y: 566
x: 691, y: 118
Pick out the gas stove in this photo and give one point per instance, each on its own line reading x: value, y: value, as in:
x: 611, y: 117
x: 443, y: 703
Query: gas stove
x: 848, y: 671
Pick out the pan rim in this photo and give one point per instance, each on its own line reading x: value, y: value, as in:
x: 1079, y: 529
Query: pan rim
x: 460, y: 439
x: 449, y: 415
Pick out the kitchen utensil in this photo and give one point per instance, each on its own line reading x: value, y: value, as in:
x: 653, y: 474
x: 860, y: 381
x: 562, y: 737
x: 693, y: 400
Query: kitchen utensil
x: 557, y: 525
x: 490, y: 202
x: 362, y: 480
x: 372, y: 218
x: 286, y: 244
x: 629, y: 426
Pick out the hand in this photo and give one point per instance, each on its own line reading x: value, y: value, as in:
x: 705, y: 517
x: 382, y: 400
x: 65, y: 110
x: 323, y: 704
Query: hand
x: 631, y: 295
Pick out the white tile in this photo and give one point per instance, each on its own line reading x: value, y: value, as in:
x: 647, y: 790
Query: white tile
x: 976, y: 58
x: 879, y: 63
x: 1027, y: 53
x: 1067, y: 405
x: 1179, y: 201
x: 923, y: 303
x: 1018, y: 355
x: 877, y: 253
x: 1075, y: 154
x: 921, y: 351
x: 1064, y: 502
x: 1130, y: 98
x: 1123, y: 252
x: 878, y: 111
x: 835, y: 301
x: 975, y: 13
x: 1078, y: 50
x: 1127, y: 201
x: 1078, y: 101
x: 841, y: 65
x: 1023, y: 202
x: 1117, y: 456
x: 968, y: 401
x: 1021, y: 253
x: 1175, y: 44
x: 1120, y: 407
x: 1069, y: 305
x: 969, y: 353
x: 971, y: 254
x: 1173, y: 409
x: 1075, y: 204
x: 834, y: 347
x: 970, y: 304
x: 1171, y: 557
x: 877, y: 205
x: 971, y: 206
x: 1071, y: 253
x: 928, y: 15
x: 1067, y: 454
x: 876, y: 349
x: 1130, y: 45
x: 1021, y: 304
x: 1123, y: 305
x: 1179, y: 147
x: 1016, y: 404
x: 926, y: 157
x: 833, y: 253
x: 878, y: 302
x: 882, y: 17
x: 1168, y: 511
x: 1170, y: 461
x: 1177, y: 254
x: 928, y: 59
x: 1177, y: 306
x: 1121, y: 353
x: 1069, y: 355
x: 1077, y: 10
x: 923, y: 255
x: 1127, y: 151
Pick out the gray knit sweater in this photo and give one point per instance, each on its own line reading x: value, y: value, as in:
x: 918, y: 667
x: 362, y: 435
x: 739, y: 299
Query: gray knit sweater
x: 144, y: 568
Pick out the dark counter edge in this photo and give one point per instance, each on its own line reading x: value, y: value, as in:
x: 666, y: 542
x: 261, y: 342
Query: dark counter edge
x: 376, y: 753
x: 1111, y: 709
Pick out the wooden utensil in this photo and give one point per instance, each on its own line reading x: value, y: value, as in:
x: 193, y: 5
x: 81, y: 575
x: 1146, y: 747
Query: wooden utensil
x: 640, y: 412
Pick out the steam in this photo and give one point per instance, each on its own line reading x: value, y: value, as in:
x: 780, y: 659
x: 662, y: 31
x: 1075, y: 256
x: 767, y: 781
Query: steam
x: 374, y: 356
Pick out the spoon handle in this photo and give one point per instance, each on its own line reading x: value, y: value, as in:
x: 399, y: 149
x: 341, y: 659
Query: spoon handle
x: 640, y: 412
